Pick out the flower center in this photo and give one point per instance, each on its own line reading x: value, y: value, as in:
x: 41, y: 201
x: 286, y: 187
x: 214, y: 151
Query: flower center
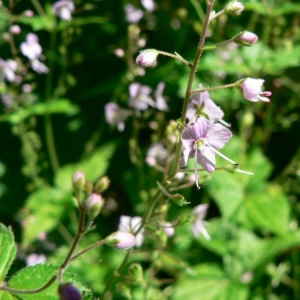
x: 200, y: 144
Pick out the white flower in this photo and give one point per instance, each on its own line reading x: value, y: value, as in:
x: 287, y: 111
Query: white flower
x: 147, y: 58
x: 31, y: 47
x: 39, y: 67
x: 199, y: 214
x: 131, y: 225
x: 7, y: 69
x: 133, y: 14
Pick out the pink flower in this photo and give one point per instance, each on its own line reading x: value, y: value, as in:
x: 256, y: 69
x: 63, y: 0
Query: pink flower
x: 63, y: 9
x: 133, y: 14
x: 202, y: 105
x: 139, y: 96
x: 201, y: 141
x: 7, y: 70
x: 148, y: 4
x: 115, y: 115
x: 252, y: 90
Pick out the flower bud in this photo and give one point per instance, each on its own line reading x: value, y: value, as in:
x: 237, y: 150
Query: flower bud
x: 246, y: 38
x: 88, y: 187
x: 121, y: 240
x: 15, y: 29
x: 234, y: 8
x: 78, y: 181
x: 147, y: 58
x: 67, y: 291
x: 102, y: 184
x: 135, y: 273
x: 94, y: 204
x: 180, y: 200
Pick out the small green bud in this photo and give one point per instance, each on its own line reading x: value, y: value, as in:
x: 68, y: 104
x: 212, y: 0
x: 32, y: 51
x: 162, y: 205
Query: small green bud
x: 78, y: 181
x: 88, y: 187
x: 120, y: 240
x: 123, y: 290
x: 135, y: 273
x: 102, y: 184
x: 180, y: 200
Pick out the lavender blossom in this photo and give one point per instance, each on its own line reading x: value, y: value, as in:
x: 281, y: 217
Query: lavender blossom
x: 63, y: 9
x: 115, y: 115
x: 147, y: 58
x: 133, y: 14
x: 202, y: 105
x: 39, y: 67
x: 201, y: 141
x: 7, y: 70
x: 139, y: 96
x: 131, y: 225
x: 198, y: 228
x: 121, y: 240
x: 252, y: 90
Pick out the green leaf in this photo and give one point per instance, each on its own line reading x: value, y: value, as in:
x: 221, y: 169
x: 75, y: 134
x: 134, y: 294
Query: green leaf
x: 211, y: 283
x: 45, y: 209
x: 6, y: 296
x: 37, y: 276
x: 94, y: 167
x: 55, y: 107
x: 8, y: 250
x: 268, y: 208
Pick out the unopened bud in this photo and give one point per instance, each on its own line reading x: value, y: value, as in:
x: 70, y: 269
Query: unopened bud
x: 88, y: 187
x: 67, y: 291
x: 94, y: 204
x: 180, y: 200
x: 102, y: 184
x: 121, y: 240
x: 147, y: 58
x: 78, y: 181
x: 169, y: 229
x: 15, y: 29
x: 234, y: 8
x: 246, y: 38
x: 135, y: 273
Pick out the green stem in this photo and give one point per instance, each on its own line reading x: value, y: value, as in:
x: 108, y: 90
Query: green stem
x: 34, y: 291
x: 80, y: 231
x: 38, y: 7
x: 47, y: 118
x: 176, y: 57
x: 201, y: 90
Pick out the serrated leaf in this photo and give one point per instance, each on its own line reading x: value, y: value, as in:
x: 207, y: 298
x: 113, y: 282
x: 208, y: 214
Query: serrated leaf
x: 268, y: 208
x: 45, y: 209
x: 37, y: 276
x: 8, y: 250
x: 94, y: 167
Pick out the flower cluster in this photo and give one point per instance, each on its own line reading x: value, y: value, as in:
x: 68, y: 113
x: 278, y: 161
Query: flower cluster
x: 139, y: 100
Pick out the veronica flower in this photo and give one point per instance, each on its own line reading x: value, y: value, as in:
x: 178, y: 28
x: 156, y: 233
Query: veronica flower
x: 63, y: 9
x: 139, y: 96
x: 131, y: 225
x: 133, y: 14
x: 201, y: 141
x: 115, y: 115
x: 199, y: 213
x: 39, y: 67
x: 31, y: 47
x: 252, y: 90
x: 202, y: 105
x: 7, y: 69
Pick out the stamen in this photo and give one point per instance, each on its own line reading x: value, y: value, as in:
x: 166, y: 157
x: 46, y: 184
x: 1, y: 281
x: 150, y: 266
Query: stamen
x: 222, y: 155
x: 244, y: 172
x: 196, y: 169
